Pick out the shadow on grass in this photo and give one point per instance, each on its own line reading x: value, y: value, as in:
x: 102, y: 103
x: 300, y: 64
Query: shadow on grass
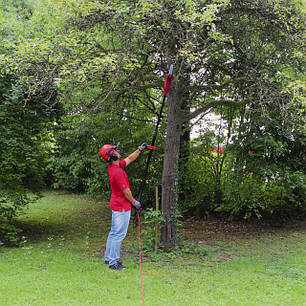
x: 39, y: 231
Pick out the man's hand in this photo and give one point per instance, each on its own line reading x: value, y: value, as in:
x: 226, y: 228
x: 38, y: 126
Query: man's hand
x: 142, y: 146
x: 136, y: 203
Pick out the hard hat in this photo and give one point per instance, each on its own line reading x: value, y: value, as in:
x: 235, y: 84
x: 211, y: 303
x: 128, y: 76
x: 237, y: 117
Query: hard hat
x: 106, y: 152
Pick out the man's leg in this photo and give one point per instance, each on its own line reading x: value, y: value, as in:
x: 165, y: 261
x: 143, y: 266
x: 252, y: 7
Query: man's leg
x: 109, y: 242
x: 120, y: 224
x: 108, y: 246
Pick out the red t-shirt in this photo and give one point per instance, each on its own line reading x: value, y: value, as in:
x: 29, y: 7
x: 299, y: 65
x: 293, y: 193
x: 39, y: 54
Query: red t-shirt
x: 118, y: 181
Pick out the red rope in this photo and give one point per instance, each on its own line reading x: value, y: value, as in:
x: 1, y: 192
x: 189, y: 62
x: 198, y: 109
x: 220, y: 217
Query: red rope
x: 140, y: 265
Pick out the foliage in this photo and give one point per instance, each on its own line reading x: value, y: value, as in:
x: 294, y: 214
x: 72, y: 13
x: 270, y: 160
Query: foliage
x: 151, y: 223
x: 267, y: 159
x: 12, y: 202
x: 77, y: 166
x: 285, y: 197
x: 9, y: 234
x: 278, y: 198
x: 27, y: 112
x: 253, y: 183
x: 243, y: 198
x: 198, y: 179
x: 105, y: 61
x: 23, y: 148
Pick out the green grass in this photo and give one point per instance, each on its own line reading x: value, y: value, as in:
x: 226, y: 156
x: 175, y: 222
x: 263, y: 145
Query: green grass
x: 60, y: 264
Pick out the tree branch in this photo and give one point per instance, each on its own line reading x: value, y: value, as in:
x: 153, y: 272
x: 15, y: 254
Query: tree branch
x: 208, y: 106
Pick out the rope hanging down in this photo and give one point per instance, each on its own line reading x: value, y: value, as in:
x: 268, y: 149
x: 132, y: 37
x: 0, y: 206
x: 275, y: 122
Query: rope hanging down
x: 167, y: 84
x: 140, y: 265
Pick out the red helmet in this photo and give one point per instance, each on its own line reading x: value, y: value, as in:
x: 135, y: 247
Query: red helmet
x: 106, y: 152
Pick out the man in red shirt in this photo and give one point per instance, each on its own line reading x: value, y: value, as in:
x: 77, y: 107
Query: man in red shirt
x: 120, y: 201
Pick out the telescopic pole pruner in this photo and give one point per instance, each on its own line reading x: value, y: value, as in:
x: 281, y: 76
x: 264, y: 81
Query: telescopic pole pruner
x: 167, y: 84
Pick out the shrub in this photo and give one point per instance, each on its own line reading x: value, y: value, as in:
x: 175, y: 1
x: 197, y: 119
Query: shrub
x: 25, y: 120
x: 12, y: 202
x: 152, y: 222
x: 284, y: 197
x: 242, y: 198
x: 9, y: 234
x: 198, y: 184
x: 278, y: 199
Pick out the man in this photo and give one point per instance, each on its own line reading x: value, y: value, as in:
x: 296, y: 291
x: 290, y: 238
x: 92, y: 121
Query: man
x: 120, y: 201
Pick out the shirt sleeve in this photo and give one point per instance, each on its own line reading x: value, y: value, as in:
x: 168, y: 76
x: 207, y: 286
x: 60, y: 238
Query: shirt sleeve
x: 122, y: 163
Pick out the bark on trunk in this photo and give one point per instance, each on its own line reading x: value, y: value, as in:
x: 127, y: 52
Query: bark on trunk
x: 184, y: 187
x: 170, y: 170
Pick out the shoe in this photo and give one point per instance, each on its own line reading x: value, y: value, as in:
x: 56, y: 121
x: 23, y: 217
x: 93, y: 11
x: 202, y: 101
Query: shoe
x: 119, y: 261
x: 117, y: 266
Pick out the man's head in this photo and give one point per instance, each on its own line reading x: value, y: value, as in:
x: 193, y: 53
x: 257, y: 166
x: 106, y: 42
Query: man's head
x: 111, y: 152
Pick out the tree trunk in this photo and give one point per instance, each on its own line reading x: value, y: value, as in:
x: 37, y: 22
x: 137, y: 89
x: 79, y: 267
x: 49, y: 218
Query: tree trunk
x: 184, y: 187
x: 170, y: 170
x: 184, y: 154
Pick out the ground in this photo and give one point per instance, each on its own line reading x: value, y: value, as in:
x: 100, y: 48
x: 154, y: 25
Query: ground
x: 220, y: 263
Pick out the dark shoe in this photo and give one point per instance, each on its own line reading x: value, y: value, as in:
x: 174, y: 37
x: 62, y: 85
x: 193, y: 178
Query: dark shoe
x: 119, y: 261
x: 117, y: 266
x: 123, y: 267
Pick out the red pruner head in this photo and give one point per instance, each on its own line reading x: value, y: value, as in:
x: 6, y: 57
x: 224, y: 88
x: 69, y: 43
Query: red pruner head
x: 168, y: 79
x: 151, y: 147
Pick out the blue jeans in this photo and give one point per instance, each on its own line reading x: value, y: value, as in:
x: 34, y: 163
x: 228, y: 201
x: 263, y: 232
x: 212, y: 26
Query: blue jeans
x: 120, y: 224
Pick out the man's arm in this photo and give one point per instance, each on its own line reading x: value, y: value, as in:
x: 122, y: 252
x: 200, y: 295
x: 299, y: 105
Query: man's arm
x: 132, y: 157
x: 135, y: 154
x: 128, y: 194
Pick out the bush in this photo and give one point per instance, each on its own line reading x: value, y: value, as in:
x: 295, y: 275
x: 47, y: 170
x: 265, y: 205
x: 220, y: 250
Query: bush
x: 152, y: 221
x: 278, y: 199
x: 12, y: 203
x: 9, y: 234
x: 25, y: 121
x: 284, y: 198
x: 198, y: 185
x: 242, y: 198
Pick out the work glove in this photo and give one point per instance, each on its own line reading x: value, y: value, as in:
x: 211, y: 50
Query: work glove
x: 142, y: 146
x: 136, y: 204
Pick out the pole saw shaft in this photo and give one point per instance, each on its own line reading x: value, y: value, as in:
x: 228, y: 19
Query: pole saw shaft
x: 167, y: 84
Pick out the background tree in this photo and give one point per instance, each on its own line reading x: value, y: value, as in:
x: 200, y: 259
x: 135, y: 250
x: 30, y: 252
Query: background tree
x: 26, y: 117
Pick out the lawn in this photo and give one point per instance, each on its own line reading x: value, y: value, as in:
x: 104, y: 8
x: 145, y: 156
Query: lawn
x: 60, y: 262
